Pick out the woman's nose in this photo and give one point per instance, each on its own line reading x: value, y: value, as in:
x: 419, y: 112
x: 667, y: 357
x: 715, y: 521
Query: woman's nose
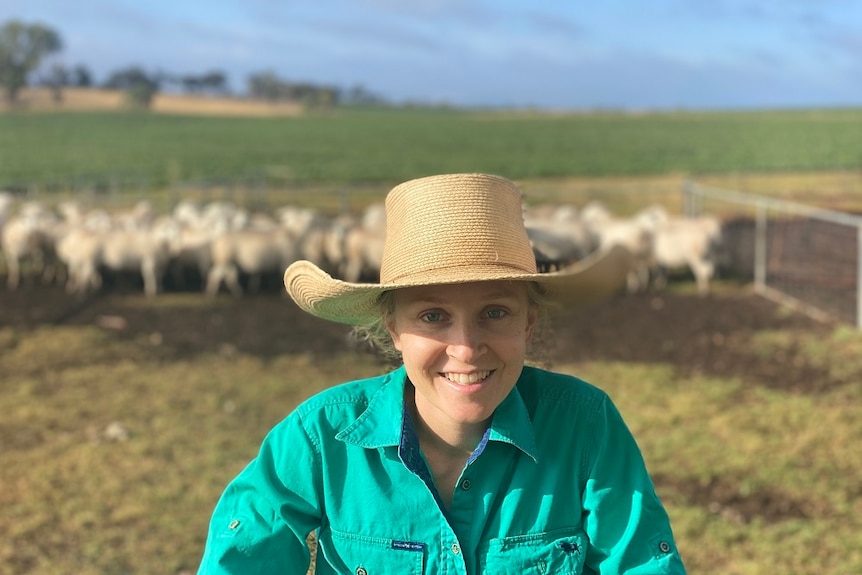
x: 466, y: 342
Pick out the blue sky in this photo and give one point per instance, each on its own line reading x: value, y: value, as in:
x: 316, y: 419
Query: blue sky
x: 557, y: 54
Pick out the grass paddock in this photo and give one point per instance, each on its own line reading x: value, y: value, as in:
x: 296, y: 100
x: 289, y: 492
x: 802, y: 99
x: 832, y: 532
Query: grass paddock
x: 124, y: 418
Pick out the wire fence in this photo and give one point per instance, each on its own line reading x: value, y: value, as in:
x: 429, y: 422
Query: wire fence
x: 255, y: 191
x: 797, y: 254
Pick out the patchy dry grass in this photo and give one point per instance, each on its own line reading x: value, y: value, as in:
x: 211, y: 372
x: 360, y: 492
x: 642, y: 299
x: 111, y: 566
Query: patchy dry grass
x: 101, y: 100
x: 757, y: 480
x: 836, y: 190
x: 116, y: 444
x: 113, y: 459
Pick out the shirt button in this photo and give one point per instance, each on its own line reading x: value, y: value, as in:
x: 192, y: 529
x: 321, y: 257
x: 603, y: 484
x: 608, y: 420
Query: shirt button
x: 455, y: 549
x: 361, y: 571
x: 664, y: 547
x: 466, y: 485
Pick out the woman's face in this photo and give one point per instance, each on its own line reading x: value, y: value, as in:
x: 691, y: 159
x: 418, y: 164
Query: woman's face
x: 463, y: 347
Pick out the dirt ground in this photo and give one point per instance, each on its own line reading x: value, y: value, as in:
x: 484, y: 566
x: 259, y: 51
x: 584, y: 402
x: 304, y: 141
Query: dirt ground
x: 696, y: 334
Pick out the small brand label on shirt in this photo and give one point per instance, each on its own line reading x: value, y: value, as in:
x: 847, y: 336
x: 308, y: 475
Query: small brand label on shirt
x: 408, y: 545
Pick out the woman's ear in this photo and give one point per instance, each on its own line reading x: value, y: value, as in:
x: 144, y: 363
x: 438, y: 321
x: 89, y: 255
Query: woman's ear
x: 532, y: 320
x: 391, y: 327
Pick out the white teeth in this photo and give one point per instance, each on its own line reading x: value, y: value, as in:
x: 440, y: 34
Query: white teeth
x: 464, y: 378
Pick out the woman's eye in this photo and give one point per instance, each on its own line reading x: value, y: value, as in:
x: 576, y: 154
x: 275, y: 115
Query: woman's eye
x: 496, y: 313
x: 432, y: 316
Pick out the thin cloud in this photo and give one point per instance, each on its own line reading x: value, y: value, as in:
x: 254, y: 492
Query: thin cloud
x: 623, y: 53
x: 548, y: 23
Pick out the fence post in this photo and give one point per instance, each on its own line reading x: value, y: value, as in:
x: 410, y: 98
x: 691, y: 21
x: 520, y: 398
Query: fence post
x: 687, y: 198
x: 760, y: 238
x: 859, y: 276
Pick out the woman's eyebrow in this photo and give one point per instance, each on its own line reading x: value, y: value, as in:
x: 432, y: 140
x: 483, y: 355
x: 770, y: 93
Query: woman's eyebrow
x: 425, y: 301
x: 501, y: 295
x: 430, y: 298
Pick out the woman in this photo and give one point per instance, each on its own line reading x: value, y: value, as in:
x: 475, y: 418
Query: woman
x: 463, y: 459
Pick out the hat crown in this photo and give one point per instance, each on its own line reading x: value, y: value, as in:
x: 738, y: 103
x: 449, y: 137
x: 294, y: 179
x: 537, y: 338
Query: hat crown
x: 454, y: 222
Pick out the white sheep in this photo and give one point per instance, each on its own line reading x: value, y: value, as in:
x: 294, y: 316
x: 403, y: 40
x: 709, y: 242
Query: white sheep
x: 311, y: 230
x: 222, y: 216
x: 253, y: 252
x: 80, y: 249
x: 635, y: 234
x: 188, y: 213
x: 85, y: 252
x: 558, y: 235
x: 335, y: 240
x: 363, y: 245
x: 687, y: 242
x: 363, y: 254
x: 146, y: 251
x: 29, y: 236
x: 138, y: 217
x: 190, y: 250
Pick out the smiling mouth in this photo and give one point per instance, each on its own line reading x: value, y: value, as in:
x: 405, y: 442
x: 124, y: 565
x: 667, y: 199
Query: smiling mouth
x: 467, y: 378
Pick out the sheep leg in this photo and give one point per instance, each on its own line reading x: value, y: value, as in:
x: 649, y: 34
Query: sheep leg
x: 353, y: 270
x: 14, y: 271
x: 638, y: 278
x: 659, y: 281
x: 703, y: 271
x: 71, y: 280
x: 231, y: 279
x: 93, y: 278
x: 151, y: 282
x: 214, y: 279
x: 82, y: 278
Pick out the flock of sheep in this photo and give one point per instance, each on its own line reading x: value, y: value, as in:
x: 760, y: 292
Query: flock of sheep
x: 220, y: 243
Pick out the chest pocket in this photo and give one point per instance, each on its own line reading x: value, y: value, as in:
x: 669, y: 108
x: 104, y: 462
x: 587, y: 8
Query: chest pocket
x: 559, y: 552
x: 352, y: 554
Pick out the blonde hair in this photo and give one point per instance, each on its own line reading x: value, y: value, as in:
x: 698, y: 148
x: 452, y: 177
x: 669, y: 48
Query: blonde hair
x: 375, y: 336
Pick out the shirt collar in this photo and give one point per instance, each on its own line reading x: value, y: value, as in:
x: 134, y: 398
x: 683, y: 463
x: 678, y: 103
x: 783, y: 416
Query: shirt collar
x: 381, y: 423
x: 511, y: 424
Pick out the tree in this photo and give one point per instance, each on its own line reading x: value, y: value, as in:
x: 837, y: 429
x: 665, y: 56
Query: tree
x: 268, y: 86
x: 140, y: 87
x: 191, y: 84
x: 58, y: 78
x: 211, y: 82
x: 81, y: 76
x: 214, y: 81
x: 358, y: 95
x: 264, y: 86
x: 22, y: 48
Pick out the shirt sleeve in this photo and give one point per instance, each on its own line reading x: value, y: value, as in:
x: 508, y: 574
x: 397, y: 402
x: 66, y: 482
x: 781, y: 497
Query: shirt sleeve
x: 261, y: 521
x: 627, y: 525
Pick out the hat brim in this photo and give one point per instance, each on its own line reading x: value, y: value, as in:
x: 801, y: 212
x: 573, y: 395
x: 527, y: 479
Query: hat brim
x: 589, y: 280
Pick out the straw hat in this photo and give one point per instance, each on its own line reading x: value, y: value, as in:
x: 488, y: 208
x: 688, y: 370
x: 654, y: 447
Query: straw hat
x: 452, y: 229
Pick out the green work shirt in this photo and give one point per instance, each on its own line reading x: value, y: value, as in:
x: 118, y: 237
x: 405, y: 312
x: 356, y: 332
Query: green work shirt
x: 557, y: 486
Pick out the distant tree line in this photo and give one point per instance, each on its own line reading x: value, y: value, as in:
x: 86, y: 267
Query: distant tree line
x: 268, y: 86
x: 27, y: 50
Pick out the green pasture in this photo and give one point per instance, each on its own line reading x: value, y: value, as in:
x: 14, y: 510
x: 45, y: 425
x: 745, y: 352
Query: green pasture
x: 114, y: 149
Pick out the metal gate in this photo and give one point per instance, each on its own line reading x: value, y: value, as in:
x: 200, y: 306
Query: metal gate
x: 796, y: 254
